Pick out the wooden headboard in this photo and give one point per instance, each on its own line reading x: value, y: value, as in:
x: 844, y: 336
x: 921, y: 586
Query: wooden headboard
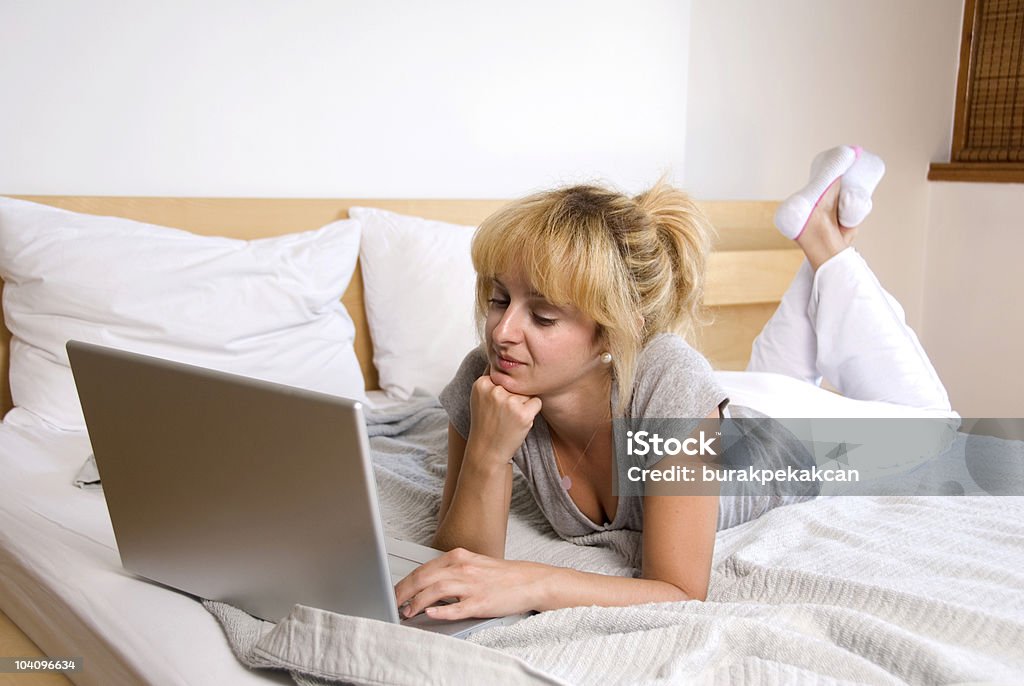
x: 750, y: 269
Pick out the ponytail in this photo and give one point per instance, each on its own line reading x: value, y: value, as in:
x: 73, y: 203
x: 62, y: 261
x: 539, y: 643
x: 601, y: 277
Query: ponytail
x: 672, y: 283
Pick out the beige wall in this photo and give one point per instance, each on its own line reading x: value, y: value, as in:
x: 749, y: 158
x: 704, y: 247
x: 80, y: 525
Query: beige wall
x: 974, y: 296
x: 772, y: 83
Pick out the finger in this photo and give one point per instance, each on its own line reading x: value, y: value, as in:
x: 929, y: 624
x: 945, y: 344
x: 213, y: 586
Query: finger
x: 404, y: 590
x: 442, y: 575
x: 430, y: 572
x: 432, y: 594
x: 459, y: 610
x: 418, y: 579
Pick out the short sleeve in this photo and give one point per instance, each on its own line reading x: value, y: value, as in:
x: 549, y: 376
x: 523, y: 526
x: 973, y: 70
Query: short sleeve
x: 456, y: 395
x: 675, y: 381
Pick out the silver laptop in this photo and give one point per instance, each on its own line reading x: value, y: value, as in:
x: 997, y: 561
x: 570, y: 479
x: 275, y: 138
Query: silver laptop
x: 253, y: 493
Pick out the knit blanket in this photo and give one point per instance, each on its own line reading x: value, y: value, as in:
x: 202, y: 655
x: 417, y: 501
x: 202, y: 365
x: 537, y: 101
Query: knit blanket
x: 856, y: 589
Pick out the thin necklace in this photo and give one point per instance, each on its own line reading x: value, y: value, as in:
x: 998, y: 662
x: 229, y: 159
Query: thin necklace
x: 565, y: 480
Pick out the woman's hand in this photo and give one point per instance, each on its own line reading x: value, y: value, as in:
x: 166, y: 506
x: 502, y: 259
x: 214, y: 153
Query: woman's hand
x: 484, y: 586
x: 499, y: 420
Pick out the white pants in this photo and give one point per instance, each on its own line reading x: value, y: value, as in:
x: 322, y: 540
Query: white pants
x: 840, y: 323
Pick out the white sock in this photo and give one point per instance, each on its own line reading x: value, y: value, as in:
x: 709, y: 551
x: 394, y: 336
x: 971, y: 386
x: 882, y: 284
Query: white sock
x: 793, y: 213
x: 857, y: 185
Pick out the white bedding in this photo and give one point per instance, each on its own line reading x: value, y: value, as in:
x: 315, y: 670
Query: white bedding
x: 58, y: 560
x: 868, y: 589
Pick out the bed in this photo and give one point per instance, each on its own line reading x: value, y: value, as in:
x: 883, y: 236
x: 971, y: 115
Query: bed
x: 878, y: 590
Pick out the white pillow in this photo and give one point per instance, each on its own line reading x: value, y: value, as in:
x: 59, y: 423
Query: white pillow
x: 419, y: 287
x: 267, y: 308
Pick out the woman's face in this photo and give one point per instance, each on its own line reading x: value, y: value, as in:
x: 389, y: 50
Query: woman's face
x: 535, y: 348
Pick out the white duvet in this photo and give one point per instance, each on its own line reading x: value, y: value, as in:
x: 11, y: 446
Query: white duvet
x: 882, y: 590
x: 885, y: 590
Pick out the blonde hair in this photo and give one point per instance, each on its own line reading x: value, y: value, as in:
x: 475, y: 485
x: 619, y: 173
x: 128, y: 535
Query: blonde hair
x: 635, y: 265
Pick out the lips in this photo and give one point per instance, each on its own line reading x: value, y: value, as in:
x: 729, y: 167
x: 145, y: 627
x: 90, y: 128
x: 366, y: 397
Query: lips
x: 507, y: 363
x: 508, y: 359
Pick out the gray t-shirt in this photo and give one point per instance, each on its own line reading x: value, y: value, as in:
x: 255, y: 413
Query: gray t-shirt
x: 672, y: 380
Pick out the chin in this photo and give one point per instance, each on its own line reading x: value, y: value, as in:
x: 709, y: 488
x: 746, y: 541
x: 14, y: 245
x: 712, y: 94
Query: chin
x: 510, y: 383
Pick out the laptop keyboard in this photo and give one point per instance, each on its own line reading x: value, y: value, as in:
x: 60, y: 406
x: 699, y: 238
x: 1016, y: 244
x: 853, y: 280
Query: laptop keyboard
x: 400, y: 567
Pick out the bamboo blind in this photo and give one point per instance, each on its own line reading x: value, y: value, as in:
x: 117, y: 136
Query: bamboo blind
x: 993, y: 121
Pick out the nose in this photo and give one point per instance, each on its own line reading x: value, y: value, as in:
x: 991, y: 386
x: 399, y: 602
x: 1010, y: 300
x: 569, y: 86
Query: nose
x: 509, y: 328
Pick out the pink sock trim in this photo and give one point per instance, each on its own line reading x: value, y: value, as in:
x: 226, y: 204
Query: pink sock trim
x: 857, y: 150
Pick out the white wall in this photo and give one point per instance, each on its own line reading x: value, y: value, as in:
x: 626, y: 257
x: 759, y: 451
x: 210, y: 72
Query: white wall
x: 469, y: 99
x: 772, y: 83
x: 338, y: 99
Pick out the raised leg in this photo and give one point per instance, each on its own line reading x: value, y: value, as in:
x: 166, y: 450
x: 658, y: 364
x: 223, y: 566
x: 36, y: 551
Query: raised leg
x: 865, y: 346
x: 787, y: 344
x: 836, y: 320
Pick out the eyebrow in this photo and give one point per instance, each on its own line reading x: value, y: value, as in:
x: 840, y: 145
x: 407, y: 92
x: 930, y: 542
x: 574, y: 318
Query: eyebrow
x: 534, y: 295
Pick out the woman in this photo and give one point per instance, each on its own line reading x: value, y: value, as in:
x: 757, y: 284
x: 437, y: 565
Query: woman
x: 582, y: 294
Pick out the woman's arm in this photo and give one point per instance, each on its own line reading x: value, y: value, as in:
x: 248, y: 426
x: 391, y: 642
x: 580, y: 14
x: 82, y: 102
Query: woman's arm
x: 678, y: 546
x: 478, y: 487
x: 679, y: 539
x: 488, y: 587
x: 680, y: 522
x: 475, y: 502
x: 572, y: 588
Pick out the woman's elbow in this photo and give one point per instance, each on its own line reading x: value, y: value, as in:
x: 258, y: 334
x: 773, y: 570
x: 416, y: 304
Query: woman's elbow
x: 687, y: 594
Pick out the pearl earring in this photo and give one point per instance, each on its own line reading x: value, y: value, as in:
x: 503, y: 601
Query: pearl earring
x: 606, y: 358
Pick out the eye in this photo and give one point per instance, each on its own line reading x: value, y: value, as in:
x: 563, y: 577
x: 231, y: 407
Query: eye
x: 498, y: 302
x: 544, y: 321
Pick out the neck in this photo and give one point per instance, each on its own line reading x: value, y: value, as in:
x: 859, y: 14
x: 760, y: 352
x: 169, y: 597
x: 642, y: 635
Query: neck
x: 574, y: 417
